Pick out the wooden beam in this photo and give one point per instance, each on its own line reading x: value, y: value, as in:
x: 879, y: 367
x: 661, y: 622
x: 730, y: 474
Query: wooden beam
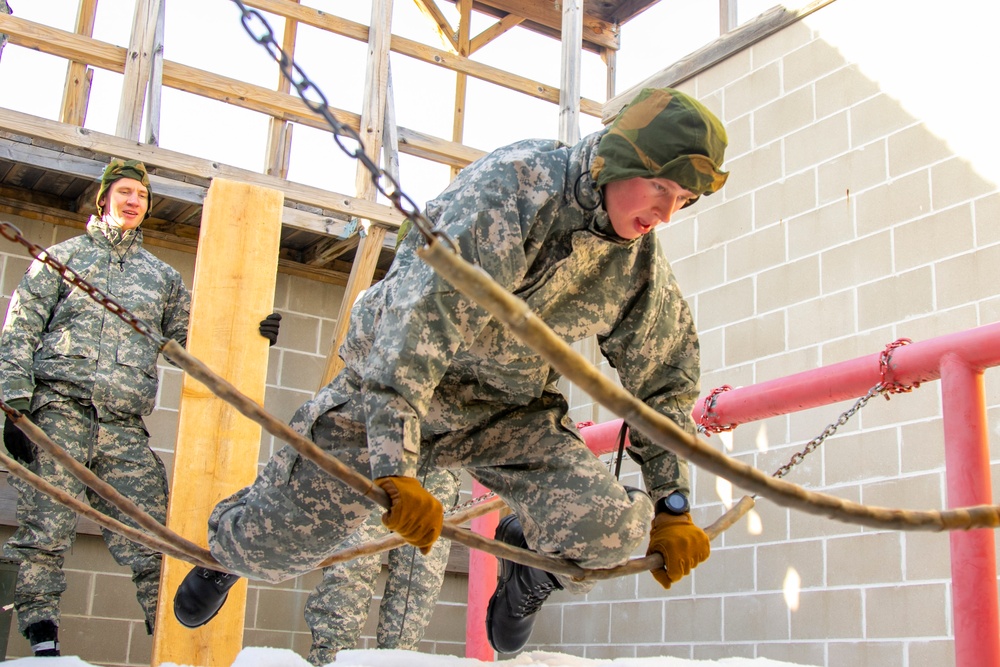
x: 461, y: 80
x: 279, y: 132
x: 500, y: 27
x: 748, y: 34
x: 156, y: 80
x: 217, y: 448
x: 373, y: 122
x: 546, y: 18
x: 154, y: 156
x: 213, y: 86
x: 364, y: 264
x: 569, y: 84
x: 445, y: 32
x: 138, y: 62
x: 79, y: 77
x: 422, y: 52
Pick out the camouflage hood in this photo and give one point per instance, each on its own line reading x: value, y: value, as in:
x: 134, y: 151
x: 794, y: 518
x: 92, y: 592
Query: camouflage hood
x: 664, y: 133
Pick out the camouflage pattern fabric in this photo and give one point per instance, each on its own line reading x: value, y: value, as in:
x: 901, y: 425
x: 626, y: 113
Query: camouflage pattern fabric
x: 56, y: 334
x: 117, y: 451
x: 429, y: 372
x: 337, y: 610
x: 89, y: 378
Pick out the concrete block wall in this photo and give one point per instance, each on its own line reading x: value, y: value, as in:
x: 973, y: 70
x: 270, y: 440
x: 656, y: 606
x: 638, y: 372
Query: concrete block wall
x: 855, y: 214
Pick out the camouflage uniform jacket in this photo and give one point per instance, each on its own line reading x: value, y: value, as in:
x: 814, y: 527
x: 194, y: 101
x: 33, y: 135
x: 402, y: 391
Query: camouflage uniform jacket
x: 517, y: 213
x: 57, y: 336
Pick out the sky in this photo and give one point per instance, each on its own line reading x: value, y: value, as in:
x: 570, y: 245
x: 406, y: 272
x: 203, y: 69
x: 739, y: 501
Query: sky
x: 208, y: 34
x: 273, y: 657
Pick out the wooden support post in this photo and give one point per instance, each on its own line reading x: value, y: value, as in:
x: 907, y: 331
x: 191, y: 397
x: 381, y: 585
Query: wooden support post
x: 372, y: 126
x: 569, y: 89
x: 279, y: 132
x: 156, y: 80
x: 610, y: 58
x: 461, y: 79
x: 138, y: 61
x: 76, y: 92
x: 217, y: 448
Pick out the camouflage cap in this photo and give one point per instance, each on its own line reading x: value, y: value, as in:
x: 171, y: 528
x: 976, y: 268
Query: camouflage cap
x: 664, y: 133
x: 117, y: 169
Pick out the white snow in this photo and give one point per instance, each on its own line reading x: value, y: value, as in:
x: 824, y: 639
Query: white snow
x: 281, y: 657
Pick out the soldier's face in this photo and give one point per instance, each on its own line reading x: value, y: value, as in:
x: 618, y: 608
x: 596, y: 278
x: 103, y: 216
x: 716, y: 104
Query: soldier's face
x: 637, y: 205
x: 126, y: 203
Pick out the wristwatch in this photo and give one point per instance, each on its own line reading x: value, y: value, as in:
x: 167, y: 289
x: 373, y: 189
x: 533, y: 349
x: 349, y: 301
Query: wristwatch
x: 676, y: 503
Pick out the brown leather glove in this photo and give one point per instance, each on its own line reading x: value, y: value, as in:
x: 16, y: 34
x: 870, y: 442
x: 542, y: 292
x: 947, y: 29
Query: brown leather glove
x: 415, y: 514
x: 681, y: 543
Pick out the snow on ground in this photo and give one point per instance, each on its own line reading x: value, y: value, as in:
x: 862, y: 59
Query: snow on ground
x: 280, y: 657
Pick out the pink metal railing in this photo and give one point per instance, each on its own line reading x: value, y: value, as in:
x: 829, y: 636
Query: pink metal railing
x: 958, y: 360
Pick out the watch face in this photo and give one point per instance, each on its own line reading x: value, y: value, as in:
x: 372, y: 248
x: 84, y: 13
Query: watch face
x: 677, y: 503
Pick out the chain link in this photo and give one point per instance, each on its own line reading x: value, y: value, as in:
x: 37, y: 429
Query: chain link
x: 260, y: 30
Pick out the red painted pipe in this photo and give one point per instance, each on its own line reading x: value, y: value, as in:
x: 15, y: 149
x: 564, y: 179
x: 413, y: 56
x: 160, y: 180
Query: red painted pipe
x: 958, y: 360
x: 973, y: 553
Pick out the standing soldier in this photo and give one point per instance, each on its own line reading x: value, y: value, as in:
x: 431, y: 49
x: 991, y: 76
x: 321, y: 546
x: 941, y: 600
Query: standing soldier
x: 86, y: 378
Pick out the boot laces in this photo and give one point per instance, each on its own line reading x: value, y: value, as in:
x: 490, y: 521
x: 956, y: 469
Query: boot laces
x: 217, y: 578
x: 534, y: 598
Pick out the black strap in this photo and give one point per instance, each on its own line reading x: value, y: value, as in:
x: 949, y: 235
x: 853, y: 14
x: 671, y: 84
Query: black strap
x: 621, y: 449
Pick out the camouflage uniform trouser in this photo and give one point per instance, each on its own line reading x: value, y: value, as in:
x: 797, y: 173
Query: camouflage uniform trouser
x: 4, y: 9
x: 337, y: 610
x: 570, y: 505
x: 117, y: 452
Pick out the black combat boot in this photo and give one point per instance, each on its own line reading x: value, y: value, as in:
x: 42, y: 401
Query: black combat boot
x: 520, y: 592
x: 201, y: 595
x: 44, y: 639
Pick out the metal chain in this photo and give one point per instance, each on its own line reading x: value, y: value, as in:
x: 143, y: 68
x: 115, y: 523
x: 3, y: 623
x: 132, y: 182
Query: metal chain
x: 383, y: 181
x: 472, y: 502
x: 798, y: 457
x: 883, y: 387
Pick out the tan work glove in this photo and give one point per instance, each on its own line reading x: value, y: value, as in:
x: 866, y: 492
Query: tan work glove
x: 681, y: 543
x: 415, y: 514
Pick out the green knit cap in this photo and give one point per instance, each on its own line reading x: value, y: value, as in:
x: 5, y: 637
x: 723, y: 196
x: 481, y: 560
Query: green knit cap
x: 664, y: 133
x: 117, y: 169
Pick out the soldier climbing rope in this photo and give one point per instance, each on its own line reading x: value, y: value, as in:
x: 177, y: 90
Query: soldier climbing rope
x: 440, y: 253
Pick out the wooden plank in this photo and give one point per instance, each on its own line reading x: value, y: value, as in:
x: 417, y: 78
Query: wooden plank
x: 445, y: 32
x: 217, y: 448
x: 138, y: 61
x: 79, y: 77
x: 154, y: 156
x: 546, y: 17
x: 494, y: 31
x: 461, y: 80
x: 422, y: 52
x: 745, y: 36
x: 569, y: 84
x: 373, y: 122
x: 278, y: 152
x: 213, y: 86
x: 156, y: 80
x: 364, y: 265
